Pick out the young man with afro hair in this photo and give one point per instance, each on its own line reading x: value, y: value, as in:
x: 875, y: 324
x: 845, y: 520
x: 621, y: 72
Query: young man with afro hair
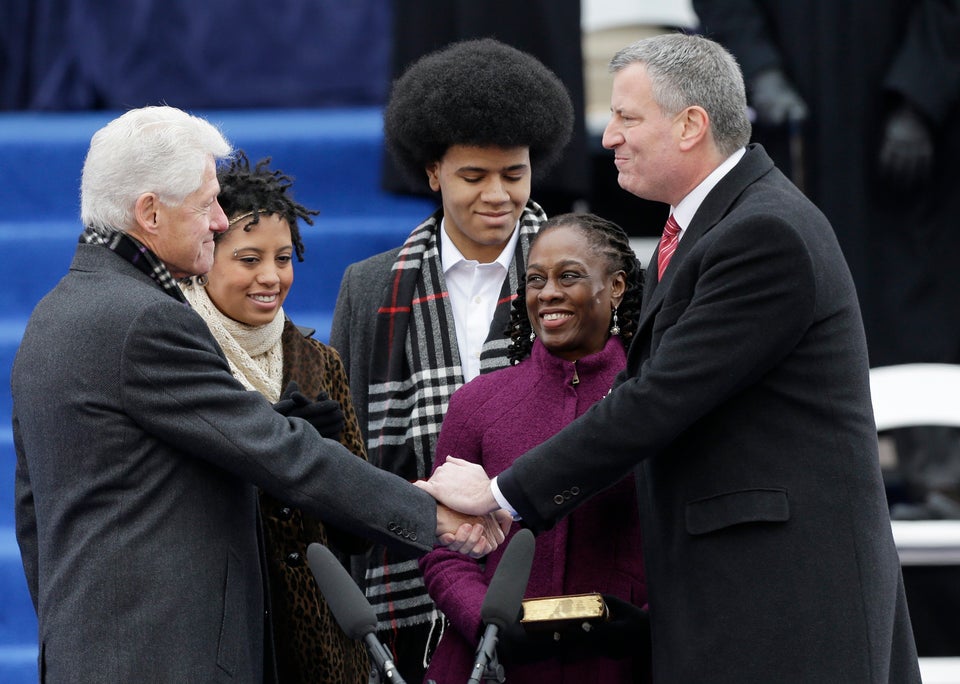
x: 477, y: 122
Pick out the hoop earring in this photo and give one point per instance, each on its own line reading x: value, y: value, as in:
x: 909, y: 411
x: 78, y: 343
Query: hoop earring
x: 614, y: 329
x: 202, y: 280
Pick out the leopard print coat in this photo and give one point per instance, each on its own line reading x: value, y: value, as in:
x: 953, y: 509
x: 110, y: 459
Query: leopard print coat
x: 310, y: 647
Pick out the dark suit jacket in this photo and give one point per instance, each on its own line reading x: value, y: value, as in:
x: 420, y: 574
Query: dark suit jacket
x: 355, y: 320
x: 745, y: 407
x: 138, y: 457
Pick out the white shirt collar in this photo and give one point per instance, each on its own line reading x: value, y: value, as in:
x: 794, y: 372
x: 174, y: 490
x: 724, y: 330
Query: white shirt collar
x: 683, y: 213
x: 450, y: 256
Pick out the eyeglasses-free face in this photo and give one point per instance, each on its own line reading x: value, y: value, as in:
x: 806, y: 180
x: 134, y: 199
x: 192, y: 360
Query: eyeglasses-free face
x: 252, y: 270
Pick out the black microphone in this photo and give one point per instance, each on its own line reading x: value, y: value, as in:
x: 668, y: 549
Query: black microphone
x: 350, y: 607
x: 501, y: 605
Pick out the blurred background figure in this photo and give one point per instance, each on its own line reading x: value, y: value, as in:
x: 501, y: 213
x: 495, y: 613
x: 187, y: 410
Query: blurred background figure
x: 574, y: 315
x: 855, y: 101
x: 241, y: 299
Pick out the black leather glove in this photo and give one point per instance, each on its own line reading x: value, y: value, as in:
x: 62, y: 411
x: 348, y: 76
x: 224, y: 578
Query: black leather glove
x: 774, y: 100
x: 625, y: 633
x: 516, y: 645
x: 324, y: 413
x: 906, y: 152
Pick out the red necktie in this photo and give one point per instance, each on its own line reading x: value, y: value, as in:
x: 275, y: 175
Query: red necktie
x: 668, y: 245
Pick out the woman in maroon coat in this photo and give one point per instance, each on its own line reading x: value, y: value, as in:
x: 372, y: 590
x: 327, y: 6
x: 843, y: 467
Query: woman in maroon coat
x: 573, y: 316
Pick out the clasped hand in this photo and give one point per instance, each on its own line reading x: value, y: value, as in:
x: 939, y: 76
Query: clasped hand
x: 471, y: 535
x: 463, y: 486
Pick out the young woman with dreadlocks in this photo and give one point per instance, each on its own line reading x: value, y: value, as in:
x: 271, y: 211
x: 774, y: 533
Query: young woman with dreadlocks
x: 241, y: 299
x: 575, y: 312
x: 477, y: 122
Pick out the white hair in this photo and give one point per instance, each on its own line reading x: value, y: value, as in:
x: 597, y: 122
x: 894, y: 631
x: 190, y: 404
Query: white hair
x: 152, y: 149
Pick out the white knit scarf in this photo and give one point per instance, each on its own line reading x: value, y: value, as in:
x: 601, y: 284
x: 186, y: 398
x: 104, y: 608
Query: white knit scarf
x: 254, y: 352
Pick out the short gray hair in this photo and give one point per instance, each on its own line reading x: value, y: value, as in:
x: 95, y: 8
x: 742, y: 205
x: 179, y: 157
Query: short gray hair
x: 152, y: 149
x: 687, y: 70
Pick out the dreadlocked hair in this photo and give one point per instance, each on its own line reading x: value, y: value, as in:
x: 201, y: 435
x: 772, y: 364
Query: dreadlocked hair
x: 260, y: 191
x: 609, y: 241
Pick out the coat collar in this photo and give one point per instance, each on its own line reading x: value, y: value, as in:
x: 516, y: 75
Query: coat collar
x: 754, y: 164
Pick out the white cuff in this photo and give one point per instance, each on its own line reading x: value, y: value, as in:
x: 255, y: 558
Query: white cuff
x: 501, y: 501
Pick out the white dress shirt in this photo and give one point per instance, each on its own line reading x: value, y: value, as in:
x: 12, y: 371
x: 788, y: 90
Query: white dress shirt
x: 474, y: 289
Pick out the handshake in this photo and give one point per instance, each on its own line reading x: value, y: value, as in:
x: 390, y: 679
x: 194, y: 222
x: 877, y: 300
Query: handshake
x: 463, y: 494
x: 474, y: 527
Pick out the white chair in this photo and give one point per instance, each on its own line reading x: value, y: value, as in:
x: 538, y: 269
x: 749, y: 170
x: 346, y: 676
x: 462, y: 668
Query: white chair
x: 916, y: 394
x: 920, y: 394
x: 913, y: 395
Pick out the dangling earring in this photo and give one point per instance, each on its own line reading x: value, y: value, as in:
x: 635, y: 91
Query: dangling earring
x: 533, y: 336
x: 614, y: 329
x: 202, y: 280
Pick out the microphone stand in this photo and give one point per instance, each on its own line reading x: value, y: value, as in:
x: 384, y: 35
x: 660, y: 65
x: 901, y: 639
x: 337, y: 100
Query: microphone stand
x: 502, y: 604
x: 487, y: 665
x: 381, y: 659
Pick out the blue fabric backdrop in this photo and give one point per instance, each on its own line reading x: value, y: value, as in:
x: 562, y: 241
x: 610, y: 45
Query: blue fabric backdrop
x: 59, y: 55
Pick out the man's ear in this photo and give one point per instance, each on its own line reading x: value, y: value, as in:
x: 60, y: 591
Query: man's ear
x: 433, y: 176
x: 694, y: 125
x: 146, y: 212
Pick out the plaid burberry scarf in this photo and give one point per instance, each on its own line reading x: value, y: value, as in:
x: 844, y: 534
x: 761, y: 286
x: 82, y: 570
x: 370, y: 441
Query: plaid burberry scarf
x: 415, y: 369
x: 132, y: 250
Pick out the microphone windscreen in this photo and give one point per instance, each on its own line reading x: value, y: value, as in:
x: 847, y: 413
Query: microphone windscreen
x: 349, y: 606
x: 501, y: 605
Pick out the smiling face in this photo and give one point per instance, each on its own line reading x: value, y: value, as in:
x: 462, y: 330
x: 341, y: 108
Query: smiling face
x: 570, y: 293
x: 643, y: 138
x: 484, y: 191
x: 252, y: 270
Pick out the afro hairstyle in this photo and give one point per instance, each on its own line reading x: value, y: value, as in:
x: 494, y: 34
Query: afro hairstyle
x: 481, y: 93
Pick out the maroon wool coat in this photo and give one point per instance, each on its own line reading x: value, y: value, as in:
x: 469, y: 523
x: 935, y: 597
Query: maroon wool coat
x: 491, y: 420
